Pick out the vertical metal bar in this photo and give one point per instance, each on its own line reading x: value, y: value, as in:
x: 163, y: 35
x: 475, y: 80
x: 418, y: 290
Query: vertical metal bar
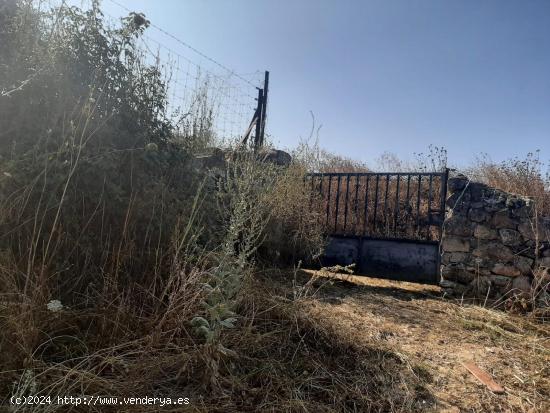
x: 442, y: 201
x: 396, y: 212
x: 337, y: 204
x: 365, y: 224
x: 328, y: 198
x: 418, y: 205
x: 264, y: 107
x: 375, y: 203
x: 386, y: 204
x: 259, y: 119
x: 408, y: 188
x: 408, y: 204
x: 429, y: 233
x: 356, y: 206
x: 346, y: 204
x: 321, y: 196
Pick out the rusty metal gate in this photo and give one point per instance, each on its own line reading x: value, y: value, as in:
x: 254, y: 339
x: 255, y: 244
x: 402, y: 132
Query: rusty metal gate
x: 388, y: 223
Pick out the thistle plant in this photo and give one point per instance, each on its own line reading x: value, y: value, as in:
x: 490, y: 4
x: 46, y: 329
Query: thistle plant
x: 242, y: 196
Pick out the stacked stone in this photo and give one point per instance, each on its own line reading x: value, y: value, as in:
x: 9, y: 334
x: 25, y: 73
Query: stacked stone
x: 490, y: 240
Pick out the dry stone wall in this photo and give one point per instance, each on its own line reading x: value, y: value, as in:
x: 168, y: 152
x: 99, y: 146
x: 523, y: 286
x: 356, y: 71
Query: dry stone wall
x: 492, y: 240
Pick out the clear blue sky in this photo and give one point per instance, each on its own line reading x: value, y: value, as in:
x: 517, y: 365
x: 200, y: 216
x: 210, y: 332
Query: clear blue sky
x: 385, y: 75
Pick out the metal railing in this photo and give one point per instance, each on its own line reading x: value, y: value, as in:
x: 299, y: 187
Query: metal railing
x: 404, y: 205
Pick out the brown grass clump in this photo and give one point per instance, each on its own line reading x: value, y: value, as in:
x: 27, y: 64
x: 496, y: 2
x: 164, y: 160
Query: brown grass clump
x: 294, y: 232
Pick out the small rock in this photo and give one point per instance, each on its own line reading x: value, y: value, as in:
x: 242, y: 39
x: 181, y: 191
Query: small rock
x: 522, y: 284
x: 458, y: 225
x: 494, y: 250
x: 457, y: 274
x: 507, y: 270
x: 524, y: 264
x: 275, y: 156
x: 502, y: 219
x: 455, y: 244
x: 484, y: 232
x: 526, y: 230
x: 448, y: 284
x: 510, y: 237
x: 501, y: 280
x: 478, y: 215
x: 457, y: 183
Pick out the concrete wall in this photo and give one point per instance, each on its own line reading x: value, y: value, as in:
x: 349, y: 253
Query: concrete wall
x: 491, y: 240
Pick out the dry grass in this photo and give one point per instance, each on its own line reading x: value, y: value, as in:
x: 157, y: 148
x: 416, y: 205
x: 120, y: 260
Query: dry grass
x: 279, y: 358
x: 358, y: 345
x: 527, y: 176
x: 152, y: 262
x: 438, y: 335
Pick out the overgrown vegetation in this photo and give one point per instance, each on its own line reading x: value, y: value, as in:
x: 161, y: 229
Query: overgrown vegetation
x: 529, y: 176
x: 126, y: 269
x: 122, y: 261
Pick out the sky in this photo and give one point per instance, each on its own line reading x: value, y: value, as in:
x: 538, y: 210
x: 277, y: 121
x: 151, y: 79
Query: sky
x: 381, y: 76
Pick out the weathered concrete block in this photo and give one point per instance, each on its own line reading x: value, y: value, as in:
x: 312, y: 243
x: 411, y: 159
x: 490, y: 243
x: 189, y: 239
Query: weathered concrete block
x: 507, y: 270
x: 510, y: 237
x: 343, y: 251
x: 455, y: 244
x: 484, y: 232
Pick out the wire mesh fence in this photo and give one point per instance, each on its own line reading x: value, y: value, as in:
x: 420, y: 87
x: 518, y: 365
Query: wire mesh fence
x: 195, y: 82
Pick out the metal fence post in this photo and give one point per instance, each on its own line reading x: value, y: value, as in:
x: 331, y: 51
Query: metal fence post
x: 264, y: 108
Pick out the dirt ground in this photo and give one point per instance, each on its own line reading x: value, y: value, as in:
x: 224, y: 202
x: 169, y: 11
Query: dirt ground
x: 439, y: 334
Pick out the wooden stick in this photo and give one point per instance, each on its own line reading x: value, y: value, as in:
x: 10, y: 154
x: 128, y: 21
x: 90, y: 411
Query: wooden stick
x: 484, y: 377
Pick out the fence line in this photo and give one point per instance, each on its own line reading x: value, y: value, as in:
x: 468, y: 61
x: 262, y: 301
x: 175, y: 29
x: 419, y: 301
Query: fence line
x: 194, y: 78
